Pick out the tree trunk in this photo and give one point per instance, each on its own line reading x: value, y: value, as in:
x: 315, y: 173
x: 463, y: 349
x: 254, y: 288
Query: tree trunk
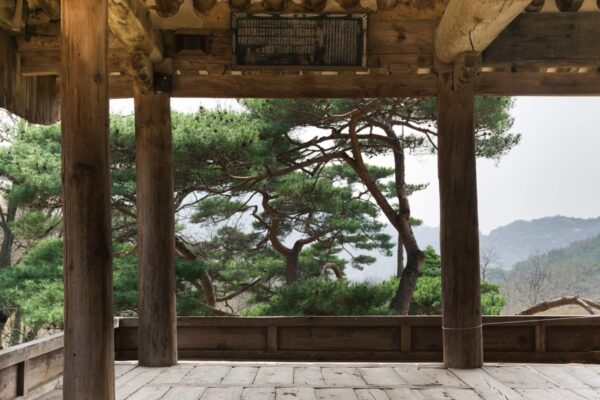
x: 208, y: 289
x: 292, y: 266
x: 8, y: 238
x: 400, y: 257
x: 16, y: 333
x: 414, y: 256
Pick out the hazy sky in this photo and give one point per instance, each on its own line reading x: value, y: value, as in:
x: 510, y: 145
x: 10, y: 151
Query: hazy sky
x: 554, y: 171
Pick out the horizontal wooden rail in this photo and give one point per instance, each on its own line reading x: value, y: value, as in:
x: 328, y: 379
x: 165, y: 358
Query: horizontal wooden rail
x: 33, y: 367
x: 37, y: 366
x: 413, y: 338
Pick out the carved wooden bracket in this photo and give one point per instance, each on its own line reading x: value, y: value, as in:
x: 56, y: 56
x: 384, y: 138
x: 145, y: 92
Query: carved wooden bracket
x: 465, y: 68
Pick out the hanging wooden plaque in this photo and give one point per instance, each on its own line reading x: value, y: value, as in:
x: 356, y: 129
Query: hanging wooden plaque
x: 305, y: 41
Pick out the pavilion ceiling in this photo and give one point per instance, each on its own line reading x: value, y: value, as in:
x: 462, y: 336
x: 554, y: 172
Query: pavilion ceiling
x: 543, y: 51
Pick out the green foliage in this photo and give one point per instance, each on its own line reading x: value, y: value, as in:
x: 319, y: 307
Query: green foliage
x: 427, y: 299
x: 35, y: 286
x: 30, y: 166
x: 317, y: 296
x: 34, y: 225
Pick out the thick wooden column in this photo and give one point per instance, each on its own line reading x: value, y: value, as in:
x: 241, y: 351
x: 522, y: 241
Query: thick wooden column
x: 459, y: 222
x: 156, y: 230
x: 89, y: 347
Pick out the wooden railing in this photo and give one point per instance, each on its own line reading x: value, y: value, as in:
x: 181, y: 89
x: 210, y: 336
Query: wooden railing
x: 30, y: 368
x: 508, y: 339
x: 37, y: 366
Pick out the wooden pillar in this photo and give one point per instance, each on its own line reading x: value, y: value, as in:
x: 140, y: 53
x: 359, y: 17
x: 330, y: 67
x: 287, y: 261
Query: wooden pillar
x: 459, y: 228
x: 156, y: 230
x: 89, y: 329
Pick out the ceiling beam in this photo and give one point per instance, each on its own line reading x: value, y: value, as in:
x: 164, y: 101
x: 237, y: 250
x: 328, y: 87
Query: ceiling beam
x: 548, y: 38
x: 129, y: 21
x: 167, y: 8
x: 470, y: 26
x: 361, y: 86
x: 12, y: 15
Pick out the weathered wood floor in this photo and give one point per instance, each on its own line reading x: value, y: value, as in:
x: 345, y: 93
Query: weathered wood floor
x: 321, y: 381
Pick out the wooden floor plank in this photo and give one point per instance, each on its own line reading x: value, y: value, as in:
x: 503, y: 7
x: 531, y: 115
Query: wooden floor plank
x: 485, y: 385
x: 308, y: 376
x: 428, y: 376
x: 549, y: 394
x: 149, y: 393
x: 258, y: 393
x: 239, y: 376
x: 442, y: 377
x: 585, y: 374
x: 128, y: 376
x: 588, y: 394
x: 222, y: 393
x: 404, y: 394
x: 303, y: 393
x: 336, y: 394
x: 559, y: 375
x: 371, y: 394
x: 345, y: 381
x: 122, y: 369
x: 173, y: 375
x: 518, y: 377
x: 275, y: 376
x: 381, y: 376
x: 203, y: 375
x: 185, y: 393
x: 449, y: 394
x: 141, y: 377
x: 343, y: 376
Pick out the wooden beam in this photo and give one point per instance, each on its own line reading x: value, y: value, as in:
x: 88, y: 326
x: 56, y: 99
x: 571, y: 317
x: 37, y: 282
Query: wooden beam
x: 167, y: 8
x: 548, y: 38
x: 12, y: 15
x: 459, y: 229
x: 142, y: 72
x: 470, y: 26
x: 538, y: 84
x: 286, y: 86
x: 89, y: 336
x: 30, y: 97
x: 156, y: 229
x: 130, y: 21
x: 42, y: 12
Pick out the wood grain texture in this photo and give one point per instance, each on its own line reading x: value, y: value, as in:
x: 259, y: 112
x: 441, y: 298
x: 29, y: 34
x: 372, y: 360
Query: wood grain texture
x: 470, y: 26
x: 32, y: 98
x: 89, y: 332
x: 546, y: 38
x: 459, y: 228
x: 156, y: 229
x: 130, y: 22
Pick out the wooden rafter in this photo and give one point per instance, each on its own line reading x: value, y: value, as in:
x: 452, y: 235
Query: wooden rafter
x: 42, y: 12
x: 12, y: 15
x: 167, y: 8
x: 130, y: 22
x: 470, y: 26
x: 547, y: 38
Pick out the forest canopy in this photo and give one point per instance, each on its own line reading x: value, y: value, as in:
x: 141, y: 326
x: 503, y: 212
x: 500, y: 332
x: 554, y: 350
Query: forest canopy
x: 273, y: 203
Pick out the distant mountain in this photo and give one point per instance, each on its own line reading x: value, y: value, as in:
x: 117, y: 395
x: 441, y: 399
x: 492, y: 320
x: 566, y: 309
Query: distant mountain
x: 511, y: 243
x: 570, y: 271
x: 583, y: 252
x: 520, y: 239
x: 517, y: 241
